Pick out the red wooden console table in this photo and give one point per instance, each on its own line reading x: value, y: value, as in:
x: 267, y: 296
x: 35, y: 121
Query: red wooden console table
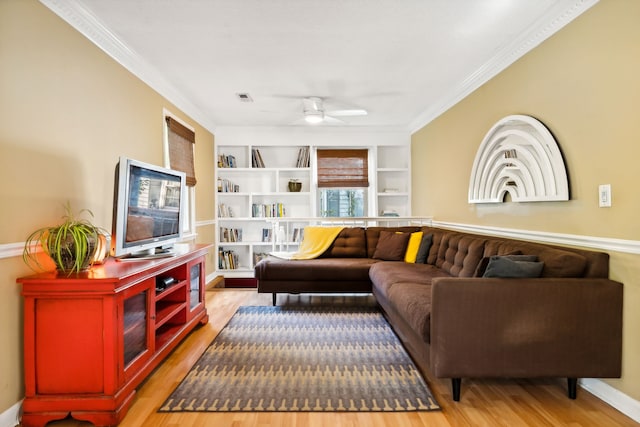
x: 91, y: 338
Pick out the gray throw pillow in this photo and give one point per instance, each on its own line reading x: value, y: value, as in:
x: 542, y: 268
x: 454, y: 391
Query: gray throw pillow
x: 423, y: 250
x: 515, y: 266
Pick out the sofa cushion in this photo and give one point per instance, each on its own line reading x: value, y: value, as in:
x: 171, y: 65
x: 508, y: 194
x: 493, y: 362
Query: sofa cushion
x: 484, y: 262
x: 425, y: 246
x: 413, y: 301
x: 557, y: 262
x: 350, y: 243
x: 373, y: 234
x: 516, y: 266
x: 391, y: 246
x: 413, y: 247
x: 383, y: 273
x: 459, y: 254
x: 319, y: 269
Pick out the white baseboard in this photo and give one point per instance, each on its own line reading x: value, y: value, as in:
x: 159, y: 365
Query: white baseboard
x: 11, y: 417
x: 614, y: 397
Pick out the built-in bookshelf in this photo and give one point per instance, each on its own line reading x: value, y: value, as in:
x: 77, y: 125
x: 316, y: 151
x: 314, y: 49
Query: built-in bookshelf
x: 253, y: 190
x: 393, y: 181
x: 253, y: 187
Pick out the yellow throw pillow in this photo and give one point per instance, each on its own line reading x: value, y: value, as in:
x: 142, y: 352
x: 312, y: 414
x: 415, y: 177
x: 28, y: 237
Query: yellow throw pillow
x: 413, y: 247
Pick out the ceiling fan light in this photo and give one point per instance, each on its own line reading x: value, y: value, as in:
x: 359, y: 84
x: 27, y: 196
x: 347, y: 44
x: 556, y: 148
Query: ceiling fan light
x: 313, y: 117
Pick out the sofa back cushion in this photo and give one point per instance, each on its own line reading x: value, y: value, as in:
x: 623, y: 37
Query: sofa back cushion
x: 459, y: 254
x: 350, y: 243
x: 557, y: 261
x: 373, y: 234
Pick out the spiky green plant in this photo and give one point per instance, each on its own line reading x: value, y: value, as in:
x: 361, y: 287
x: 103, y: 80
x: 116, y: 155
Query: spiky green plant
x: 71, y: 245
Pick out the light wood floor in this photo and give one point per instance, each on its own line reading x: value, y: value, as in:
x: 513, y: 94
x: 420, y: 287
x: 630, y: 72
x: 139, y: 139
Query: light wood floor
x: 483, y: 402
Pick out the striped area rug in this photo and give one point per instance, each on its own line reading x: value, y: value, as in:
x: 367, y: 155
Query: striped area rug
x: 313, y: 359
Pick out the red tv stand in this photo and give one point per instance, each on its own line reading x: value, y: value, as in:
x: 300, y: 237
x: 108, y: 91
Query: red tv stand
x: 91, y: 338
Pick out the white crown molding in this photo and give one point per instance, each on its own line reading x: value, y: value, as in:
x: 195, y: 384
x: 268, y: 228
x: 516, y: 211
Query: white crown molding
x: 85, y: 22
x: 600, y: 243
x: 559, y: 15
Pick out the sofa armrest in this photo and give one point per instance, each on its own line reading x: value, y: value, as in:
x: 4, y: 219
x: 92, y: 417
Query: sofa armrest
x: 546, y: 327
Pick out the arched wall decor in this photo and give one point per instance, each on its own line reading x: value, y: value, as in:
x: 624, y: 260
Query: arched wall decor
x: 518, y: 156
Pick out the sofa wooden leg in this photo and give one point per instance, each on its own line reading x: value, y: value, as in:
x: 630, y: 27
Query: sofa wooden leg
x: 572, y: 387
x: 455, y: 388
x: 273, y: 297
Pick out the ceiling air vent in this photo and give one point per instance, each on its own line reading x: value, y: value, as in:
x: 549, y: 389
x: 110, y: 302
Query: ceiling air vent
x: 244, y: 97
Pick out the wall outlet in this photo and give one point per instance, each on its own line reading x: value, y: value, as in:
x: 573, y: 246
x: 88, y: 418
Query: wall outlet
x: 604, y: 195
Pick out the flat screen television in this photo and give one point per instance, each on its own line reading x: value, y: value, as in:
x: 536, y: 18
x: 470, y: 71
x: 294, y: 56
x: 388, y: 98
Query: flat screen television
x: 147, y: 210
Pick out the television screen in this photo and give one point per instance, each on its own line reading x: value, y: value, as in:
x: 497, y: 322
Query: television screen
x: 147, y: 209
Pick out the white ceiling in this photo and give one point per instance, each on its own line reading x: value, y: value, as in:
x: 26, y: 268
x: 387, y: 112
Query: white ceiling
x: 404, y: 61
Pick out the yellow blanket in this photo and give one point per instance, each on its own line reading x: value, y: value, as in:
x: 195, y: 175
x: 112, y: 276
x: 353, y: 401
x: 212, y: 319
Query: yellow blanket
x: 316, y: 240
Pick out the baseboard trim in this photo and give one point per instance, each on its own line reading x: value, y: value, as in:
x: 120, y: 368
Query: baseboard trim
x: 11, y: 417
x: 614, y: 397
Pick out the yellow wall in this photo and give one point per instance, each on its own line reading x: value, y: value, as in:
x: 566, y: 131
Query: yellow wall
x: 583, y: 83
x: 67, y: 111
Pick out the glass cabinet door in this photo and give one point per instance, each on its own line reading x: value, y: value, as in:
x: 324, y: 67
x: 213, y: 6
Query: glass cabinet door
x: 195, y: 279
x: 135, y: 327
x: 136, y: 324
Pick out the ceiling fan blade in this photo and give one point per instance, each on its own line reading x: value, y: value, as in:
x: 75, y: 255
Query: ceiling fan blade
x: 333, y: 120
x: 348, y: 113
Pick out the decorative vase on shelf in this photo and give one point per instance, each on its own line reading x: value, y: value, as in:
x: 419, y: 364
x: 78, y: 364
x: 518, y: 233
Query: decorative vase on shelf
x: 295, y: 186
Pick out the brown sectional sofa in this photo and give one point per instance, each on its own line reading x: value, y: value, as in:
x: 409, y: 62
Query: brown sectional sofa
x: 565, y: 323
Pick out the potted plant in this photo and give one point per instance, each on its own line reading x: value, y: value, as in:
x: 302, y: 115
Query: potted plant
x: 71, y: 245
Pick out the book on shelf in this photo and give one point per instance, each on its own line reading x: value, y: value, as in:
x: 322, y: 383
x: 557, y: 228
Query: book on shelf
x: 227, y: 161
x: 270, y: 210
x: 303, y: 157
x: 226, y: 186
x: 230, y: 234
x: 297, y: 235
x: 256, y: 158
x: 227, y: 259
x: 224, y: 211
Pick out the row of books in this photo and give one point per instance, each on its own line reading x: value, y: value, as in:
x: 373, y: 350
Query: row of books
x: 269, y: 210
x: 226, y: 186
x: 224, y: 211
x: 230, y: 234
x: 297, y: 235
x: 303, y: 158
x: 227, y: 259
x: 225, y: 161
x: 256, y: 159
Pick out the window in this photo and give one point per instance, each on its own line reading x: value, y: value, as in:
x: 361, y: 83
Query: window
x: 343, y: 178
x: 179, y: 141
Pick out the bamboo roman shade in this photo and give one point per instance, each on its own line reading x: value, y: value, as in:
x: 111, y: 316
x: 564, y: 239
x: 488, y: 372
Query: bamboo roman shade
x: 343, y: 168
x: 181, y: 142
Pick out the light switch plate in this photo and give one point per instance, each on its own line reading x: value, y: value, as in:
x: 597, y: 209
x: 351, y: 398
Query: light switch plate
x: 604, y: 195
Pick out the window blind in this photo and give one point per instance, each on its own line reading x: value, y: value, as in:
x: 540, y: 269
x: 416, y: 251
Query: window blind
x: 343, y: 168
x: 181, y: 144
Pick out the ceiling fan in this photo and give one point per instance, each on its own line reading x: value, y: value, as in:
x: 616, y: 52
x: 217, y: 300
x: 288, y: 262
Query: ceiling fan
x: 314, y: 113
